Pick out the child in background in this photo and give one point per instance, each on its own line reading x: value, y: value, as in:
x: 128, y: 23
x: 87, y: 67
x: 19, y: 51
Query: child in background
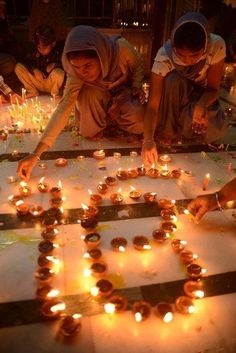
x: 43, y: 70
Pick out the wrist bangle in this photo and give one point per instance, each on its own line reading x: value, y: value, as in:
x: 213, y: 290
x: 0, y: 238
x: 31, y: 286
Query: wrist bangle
x: 218, y: 202
x: 35, y: 155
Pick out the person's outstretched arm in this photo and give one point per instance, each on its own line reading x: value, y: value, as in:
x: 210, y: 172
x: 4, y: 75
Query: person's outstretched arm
x: 202, y: 204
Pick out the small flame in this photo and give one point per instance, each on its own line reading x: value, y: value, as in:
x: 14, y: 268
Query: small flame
x: 55, y: 260
x: 85, y: 207
x: 94, y: 291
x: 119, y: 190
x: 76, y: 316
x: 58, y: 307
x: 109, y: 308
x: 59, y: 184
x: 41, y: 180
x: 121, y: 248
x: 132, y: 188
x: 90, y: 192
x: 53, y: 293
x: 87, y: 272
x: 147, y: 247
x: 191, y: 309
x: 203, y: 270
x: 23, y: 184
x: 20, y: 202
x: 153, y: 166
x: 195, y: 256
x: 86, y: 255
x: 199, y: 293
x: 138, y: 317
x: 168, y: 317
x: 173, y: 202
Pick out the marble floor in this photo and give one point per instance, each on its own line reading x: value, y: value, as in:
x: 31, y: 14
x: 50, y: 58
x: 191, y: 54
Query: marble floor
x: 154, y: 275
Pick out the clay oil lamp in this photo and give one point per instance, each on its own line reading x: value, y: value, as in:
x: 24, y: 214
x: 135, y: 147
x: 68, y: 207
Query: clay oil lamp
x: 49, y: 222
x: 165, y: 159
x: 80, y: 158
x: 193, y: 289
x: 46, y: 292
x: 150, y: 197
x: 61, y: 162
x: 89, y: 211
x: 119, y: 244
x: 132, y: 173
x: 53, y: 309
x: 93, y: 254
x: 141, y: 170
x: 117, y: 197
x: 48, y: 261
x: 3, y: 135
x: 11, y: 179
x: 56, y: 202
x: 98, y: 269
x: 116, y: 304
x: 47, y: 247
x: 176, y: 173
x: 56, y: 191
x: 195, y: 271
x: 109, y: 180
x: 153, y: 172
x: 117, y: 155
x: 134, y: 194
x: 184, y: 305
x: 168, y: 215
x: 103, y: 288
x: 95, y: 199
x: 187, y: 257
x: 178, y: 245
x: 122, y: 174
x: 70, y: 325
x: 24, y: 189
x: 14, y: 198
x: 36, y: 210
x: 133, y: 154
x: 88, y: 223
x: 165, y: 311
x: 99, y: 155
x: 165, y: 173
x: 43, y: 186
x: 102, y: 188
x: 22, y: 208
x: 160, y: 236
x: 168, y: 227
x: 141, y: 310
x: 141, y: 242
x: 92, y: 240
x: 44, y: 275
x: 166, y: 204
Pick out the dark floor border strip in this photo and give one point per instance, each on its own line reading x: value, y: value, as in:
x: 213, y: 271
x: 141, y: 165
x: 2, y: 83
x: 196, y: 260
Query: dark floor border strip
x: 72, y: 154
x: 28, y: 311
x: 106, y: 214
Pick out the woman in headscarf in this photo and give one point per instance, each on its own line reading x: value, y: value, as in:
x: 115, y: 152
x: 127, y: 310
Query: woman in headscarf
x: 184, y: 89
x: 104, y: 84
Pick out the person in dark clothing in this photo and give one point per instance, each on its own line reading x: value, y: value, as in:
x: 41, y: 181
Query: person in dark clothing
x: 42, y: 72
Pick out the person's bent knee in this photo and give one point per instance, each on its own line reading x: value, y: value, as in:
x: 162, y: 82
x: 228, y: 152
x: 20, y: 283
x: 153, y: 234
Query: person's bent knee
x: 20, y: 68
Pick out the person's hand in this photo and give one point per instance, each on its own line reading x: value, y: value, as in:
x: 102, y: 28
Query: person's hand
x: 201, y: 205
x: 26, y: 166
x: 200, y: 119
x: 140, y: 93
x: 50, y: 67
x: 38, y: 75
x: 149, y: 153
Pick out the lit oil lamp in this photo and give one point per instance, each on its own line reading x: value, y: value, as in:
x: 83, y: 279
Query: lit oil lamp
x: 153, y: 172
x: 178, y: 245
x: 3, y: 135
x: 193, y: 289
x: 111, y: 181
x: 168, y: 215
x: 168, y: 227
x: 184, y: 305
x: 93, y: 254
x: 48, y: 261
x: 176, y: 173
x: 99, y: 154
x: 141, y: 310
x: 102, y: 188
x: 80, y: 158
x: 141, y: 170
x: 165, y: 159
x: 56, y: 191
x: 95, y: 199
x: 46, y: 292
x: 117, y: 304
x: 165, y: 311
x: 119, y: 244
x: 46, y: 247
x: 24, y: 189
x: 56, y: 202
x: 150, y: 197
x: 22, y: 208
x: 88, y: 223
x: 44, y: 275
x: 195, y: 271
x: 166, y: 204
x: 14, y: 198
x: 160, y: 235
x: 117, y: 197
x: 70, y: 325
x: 165, y: 173
x: 36, y: 210
x: 89, y: 211
x: 49, y: 222
x: 11, y: 179
x: 92, y: 240
x: 132, y: 173
x: 53, y: 309
x: 206, y: 181
x: 98, y: 269
x: 187, y: 257
x: 133, y: 154
x: 103, y: 287
x: 117, y: 155
x: 61, y: 162
x: 141, y: 242
x: 42, y: 186
x: 122, y: 174
x: 134, y: 194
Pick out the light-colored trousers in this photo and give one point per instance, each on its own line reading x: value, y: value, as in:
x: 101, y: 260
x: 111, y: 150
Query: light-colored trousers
x: 178, y: 100
x: 51, y: 84
x: 97, y: 109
